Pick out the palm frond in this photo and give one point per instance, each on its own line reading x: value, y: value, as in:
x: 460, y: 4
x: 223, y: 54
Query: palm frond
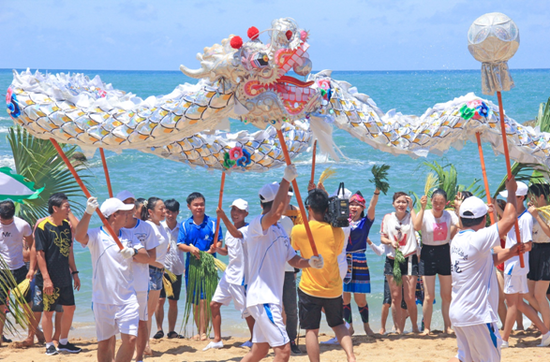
x: 380, y: 179
x: 328, y: 172
x: 543, y: 119
x: 38, y: 161
x: 431, y: 182
x: 15, y: 301
x: 525, y: 172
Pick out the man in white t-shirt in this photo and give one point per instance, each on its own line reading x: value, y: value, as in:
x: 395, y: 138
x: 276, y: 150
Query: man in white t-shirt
x: 474, y: 305
x: 232, y: 284
x: 268, y: 249
x: 114, y: 298
x: 515, y: 277
x: 174, y: 263
x: 140, y: 233
x: 13, y: 233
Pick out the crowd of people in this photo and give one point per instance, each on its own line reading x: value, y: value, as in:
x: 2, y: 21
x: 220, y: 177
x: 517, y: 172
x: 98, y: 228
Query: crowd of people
x: 143, y: 246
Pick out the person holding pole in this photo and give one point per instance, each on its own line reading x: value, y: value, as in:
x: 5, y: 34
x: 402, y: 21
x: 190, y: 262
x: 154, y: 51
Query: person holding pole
x: 141, y: 233
x: 55, y: 257
x: 115, y: 304
x: 515, y: 276
x: 268, y: 249
x: 196, y: 235
x: 233, y: 282
x: 475, y: 251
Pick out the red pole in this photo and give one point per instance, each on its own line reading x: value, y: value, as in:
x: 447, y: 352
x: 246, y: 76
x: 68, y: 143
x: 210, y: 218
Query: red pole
x: 86, y: 192
x: 508, y: 165
x: 484, y: 172
x: 106, y: 170
x: 297, y: 193
x: 219, y: 207
x: 313, y: 162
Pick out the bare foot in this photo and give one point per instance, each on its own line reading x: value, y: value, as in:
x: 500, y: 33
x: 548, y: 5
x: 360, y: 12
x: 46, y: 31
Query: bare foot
x: 449, y: 331
x: 382, y: 331
x: 196, y: 337
x: 204, y: 337
x: 426, y: 332
x: 147, y: 351
x: 416, y: 330
x: 368, y: 330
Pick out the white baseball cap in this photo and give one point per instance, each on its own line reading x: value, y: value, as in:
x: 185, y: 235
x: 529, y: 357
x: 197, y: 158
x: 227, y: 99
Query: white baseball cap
x: 267, y: 192
x: 475, y: 206
x: 240, y: 204
x: 521, y: 190
x: 112, y: 205
x: 125, y: 195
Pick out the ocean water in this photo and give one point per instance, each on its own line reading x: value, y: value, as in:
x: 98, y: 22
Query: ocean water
x: 409, y: 92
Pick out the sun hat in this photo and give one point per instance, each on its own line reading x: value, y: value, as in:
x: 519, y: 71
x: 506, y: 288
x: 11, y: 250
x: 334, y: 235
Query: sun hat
x: 125, y: 195
x: 112, y: 205
x: 240, y: 204
x: 520, y: 191
x: 475, y: 206
x: 267, y: 192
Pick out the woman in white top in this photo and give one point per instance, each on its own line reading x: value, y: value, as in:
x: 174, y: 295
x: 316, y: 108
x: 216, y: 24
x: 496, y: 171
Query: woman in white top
x: 438, y: 227
x: 397, y: 232
x: 153, y: 212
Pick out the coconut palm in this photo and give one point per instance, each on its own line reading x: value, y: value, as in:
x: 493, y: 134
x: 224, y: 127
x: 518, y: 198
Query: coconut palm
x: 38, y: 161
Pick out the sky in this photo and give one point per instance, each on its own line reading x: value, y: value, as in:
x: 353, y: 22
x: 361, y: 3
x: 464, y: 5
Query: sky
x: 344, y: 35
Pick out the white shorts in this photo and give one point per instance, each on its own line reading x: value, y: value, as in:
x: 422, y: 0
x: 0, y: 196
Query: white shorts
x: 514, y: 284
x: 225, y: 292
x: 268, y: 327
x: 142, y: 298
x: 479, y: 343
x: 111, y: 319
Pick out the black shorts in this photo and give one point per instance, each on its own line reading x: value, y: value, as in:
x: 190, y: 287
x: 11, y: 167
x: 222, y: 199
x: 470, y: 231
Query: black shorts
x: 66, y: 297
x: 388, y: 266
x: 435, y: 260
x: 539, y: 262
x: 310, y: 310
x: 387, y: 295
x: 19, y: 275
x: 176, y: 287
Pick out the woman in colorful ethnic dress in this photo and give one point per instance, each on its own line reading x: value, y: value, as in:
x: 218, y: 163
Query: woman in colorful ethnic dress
x: 438, y: 226
x: 357, y: 281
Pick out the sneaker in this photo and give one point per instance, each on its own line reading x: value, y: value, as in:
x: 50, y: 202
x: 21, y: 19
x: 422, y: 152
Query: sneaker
x: 294, y: 348
x: 504, y: 345
x: 6, y: 340
x: 215, y: 345
x: 51, y: 350
x: 545, y: 340
x: 247, y: 344
x: 333, y: 340
x: 69, y: 347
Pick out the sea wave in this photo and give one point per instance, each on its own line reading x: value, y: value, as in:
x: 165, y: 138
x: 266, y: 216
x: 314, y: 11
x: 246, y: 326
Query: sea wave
x: 7, y: 161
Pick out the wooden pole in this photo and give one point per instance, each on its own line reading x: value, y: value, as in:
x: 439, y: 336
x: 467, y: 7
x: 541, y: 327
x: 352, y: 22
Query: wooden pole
x: 106, y: 170
x: 484, y: 172
x: 297, y: 193
x: 220, y: 204
x: 313, y: 162
x: 508, y: 165
x: 86, y: 192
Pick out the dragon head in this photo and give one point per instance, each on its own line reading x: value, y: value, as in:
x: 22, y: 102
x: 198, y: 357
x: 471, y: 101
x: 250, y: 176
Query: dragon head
x: 257, y: 73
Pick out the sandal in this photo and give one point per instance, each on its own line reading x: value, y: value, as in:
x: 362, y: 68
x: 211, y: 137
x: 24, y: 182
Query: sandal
x: 174, y: 334
x: 159, y: 334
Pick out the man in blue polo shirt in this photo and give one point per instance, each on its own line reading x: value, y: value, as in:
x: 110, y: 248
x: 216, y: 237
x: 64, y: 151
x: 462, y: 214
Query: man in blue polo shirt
x: 197, y: 234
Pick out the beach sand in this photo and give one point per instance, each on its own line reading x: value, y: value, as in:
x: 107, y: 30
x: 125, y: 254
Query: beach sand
x: 381, y: 349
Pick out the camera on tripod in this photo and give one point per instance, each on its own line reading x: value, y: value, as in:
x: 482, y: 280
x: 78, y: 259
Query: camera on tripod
x: 338, y: 209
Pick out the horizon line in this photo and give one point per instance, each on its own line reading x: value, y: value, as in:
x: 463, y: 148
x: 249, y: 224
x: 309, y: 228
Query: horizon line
x: 316, y: 71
